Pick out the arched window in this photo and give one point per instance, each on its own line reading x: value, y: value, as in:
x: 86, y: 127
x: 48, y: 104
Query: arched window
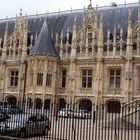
x: 47, y: 104
x: 38, y: 103
x: 113, y: 107
x: 85, y: 104
x: 12, y: 100
x: 29, y: 103
x: 62, y: 103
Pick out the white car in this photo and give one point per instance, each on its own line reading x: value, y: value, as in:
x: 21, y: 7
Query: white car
x: 65, y: 112
x: 83, y: 114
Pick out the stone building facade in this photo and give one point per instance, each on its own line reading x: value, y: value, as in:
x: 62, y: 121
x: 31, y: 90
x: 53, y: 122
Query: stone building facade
x: 85, y: 57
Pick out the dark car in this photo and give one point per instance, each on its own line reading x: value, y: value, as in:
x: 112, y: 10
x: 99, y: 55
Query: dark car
x: 3, y: 117
x: 23, y: 125
x: 10, y: 109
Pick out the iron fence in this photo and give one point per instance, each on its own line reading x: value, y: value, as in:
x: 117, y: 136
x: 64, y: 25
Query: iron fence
x: 72, y: 123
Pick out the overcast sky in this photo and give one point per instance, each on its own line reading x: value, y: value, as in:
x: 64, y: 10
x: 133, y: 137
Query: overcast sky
x: 11, y: 8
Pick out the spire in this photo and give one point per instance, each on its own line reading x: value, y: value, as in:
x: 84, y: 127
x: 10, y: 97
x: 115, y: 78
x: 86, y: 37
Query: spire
x: 44, y: 45
x: 20, y: 12
x: 24, y: 48
x: 61, y: 45
x: 100, y: 37
x: 73, y: 47
x: 5, y: 42
x: 56, y: 39
x: 67, y: 36
x: 90, y: 3
x: 129, y: 34
x: 139, y: 13
x: 74, y: 33
x: 5, y: 35
x: 89, y: 15
x: 114, y: 42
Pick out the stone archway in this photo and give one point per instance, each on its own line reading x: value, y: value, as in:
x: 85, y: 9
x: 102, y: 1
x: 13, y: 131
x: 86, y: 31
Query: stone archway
x: 47, y: 103
x: 38, y: 103
x: 113, y: 106
x: 61, y: 103
x: 29, y: 102
x: 12, y: 100
x: 85, y: 104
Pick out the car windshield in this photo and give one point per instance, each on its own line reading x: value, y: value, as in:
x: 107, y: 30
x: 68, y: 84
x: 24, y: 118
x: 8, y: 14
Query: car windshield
x: 19, y: 118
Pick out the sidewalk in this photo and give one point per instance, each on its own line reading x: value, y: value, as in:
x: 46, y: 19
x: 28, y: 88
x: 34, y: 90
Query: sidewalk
x: 9, y: 138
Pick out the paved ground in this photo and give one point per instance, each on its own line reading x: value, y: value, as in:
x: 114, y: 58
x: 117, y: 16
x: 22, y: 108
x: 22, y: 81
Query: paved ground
x: 85, y: 129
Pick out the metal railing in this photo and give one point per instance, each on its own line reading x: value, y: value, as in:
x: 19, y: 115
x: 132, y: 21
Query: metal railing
x: 72, y: 122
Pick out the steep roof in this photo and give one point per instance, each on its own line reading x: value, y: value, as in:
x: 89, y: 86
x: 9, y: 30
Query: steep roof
x: 112, y: 16
x: 44, y: 45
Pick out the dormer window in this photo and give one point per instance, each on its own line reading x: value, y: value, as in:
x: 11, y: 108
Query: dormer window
x: 118, y: 37
x: 111, y: 37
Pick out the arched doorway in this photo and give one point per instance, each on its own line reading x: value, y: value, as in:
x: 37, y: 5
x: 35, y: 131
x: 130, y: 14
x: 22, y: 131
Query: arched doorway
x: 29, y: 102
x: 38, y: 103
x: 113, y: 107
x: 62, y: 103
x: 12, y: 100
x: 85, y: 104
x: 47, y: 104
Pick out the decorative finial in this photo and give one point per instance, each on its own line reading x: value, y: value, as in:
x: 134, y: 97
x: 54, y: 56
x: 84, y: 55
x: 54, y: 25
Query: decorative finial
x: 90, y: 2
x: 20, y: 12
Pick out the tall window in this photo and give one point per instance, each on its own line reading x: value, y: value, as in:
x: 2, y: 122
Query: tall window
x: 39, y: 79
x: 115, y: 78
x: 86, y: 78
x: 49, y: 80
x: 89, y: 38
x: 89, y: 41
x: 14, y: 78
x: 63, y: 78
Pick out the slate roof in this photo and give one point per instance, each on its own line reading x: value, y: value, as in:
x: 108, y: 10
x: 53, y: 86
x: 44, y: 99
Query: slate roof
x: 44, y: 45
x: 112, y: 16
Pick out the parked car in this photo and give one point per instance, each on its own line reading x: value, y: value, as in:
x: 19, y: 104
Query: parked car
x: 3, y: 117
x: 23, y: 125
x: 83, y: 114
x: 10, y: 109
x: 65, y: 112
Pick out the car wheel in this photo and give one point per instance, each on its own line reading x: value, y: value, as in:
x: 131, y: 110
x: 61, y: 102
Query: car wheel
x: 22, y: 133
x: 45, y: 131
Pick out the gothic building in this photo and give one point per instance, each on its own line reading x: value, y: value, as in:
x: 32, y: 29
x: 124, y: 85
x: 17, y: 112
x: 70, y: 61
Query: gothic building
x: 85, y: 57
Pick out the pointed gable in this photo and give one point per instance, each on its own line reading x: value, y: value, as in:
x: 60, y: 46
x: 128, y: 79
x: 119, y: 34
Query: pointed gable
x: 43, y: 45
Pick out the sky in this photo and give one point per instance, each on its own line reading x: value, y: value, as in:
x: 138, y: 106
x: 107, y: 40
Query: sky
x: 11, y: 8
